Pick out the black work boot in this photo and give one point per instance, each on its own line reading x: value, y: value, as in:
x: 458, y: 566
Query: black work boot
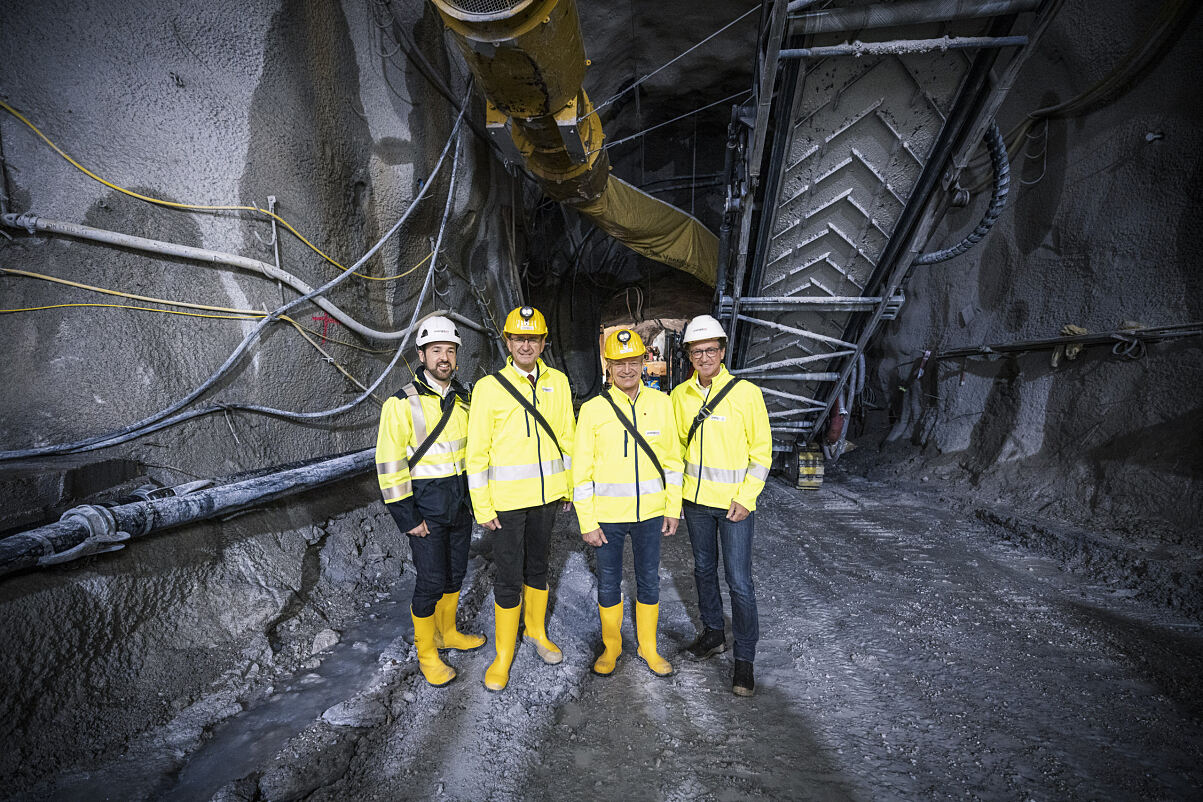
x: 743, y: 684
x: 708, y: 644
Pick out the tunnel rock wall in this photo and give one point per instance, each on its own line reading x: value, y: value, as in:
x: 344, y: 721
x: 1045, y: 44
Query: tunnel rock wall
x: 1102, y: 228
x: 318, y: 104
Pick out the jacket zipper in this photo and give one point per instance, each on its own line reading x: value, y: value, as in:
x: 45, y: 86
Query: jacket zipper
x: 538, y: 442
x: 634, y: 422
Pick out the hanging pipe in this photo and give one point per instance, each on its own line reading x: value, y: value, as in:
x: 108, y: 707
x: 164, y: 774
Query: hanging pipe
x: 33, y: 223
x: 903, y: 12
x: 998, y: 201
x: 90, y: 529
x: 528, y: 58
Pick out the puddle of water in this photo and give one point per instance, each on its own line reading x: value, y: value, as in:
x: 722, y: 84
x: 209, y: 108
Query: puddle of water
x: 247, y: 741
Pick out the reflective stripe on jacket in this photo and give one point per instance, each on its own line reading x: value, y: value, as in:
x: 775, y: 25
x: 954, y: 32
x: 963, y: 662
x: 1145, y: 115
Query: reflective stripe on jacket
x: 732, y: 450
x: 512, y: 463
x: 404, y: 424
x: 613, y: 479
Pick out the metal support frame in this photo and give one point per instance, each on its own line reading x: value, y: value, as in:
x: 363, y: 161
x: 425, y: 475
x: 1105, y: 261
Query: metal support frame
x: 775, y: 325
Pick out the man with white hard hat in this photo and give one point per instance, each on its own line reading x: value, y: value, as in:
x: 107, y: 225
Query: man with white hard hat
x: 420, y: 468
x: 723, y: 426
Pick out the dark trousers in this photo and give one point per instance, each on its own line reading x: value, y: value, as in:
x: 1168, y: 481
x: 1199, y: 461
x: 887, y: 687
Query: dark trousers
x: 520, y: 551
x: 441, y: 560
x: 645, y: 549
x: 708, y: 526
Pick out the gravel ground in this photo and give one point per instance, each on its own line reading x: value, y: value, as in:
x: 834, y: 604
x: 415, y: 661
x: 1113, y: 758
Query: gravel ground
x: 907, y: 651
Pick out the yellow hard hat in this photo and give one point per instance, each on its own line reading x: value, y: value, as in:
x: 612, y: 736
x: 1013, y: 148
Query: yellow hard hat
x: 525, y: 320
x: 622, y: 344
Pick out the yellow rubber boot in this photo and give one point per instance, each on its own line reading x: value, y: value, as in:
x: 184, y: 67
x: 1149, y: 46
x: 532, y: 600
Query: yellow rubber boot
x: 535, y: 619
x: 433, y: 668
x: 611, y: 626
x: 647, y: 616
x: 447, y: 636
x: 504, y: 639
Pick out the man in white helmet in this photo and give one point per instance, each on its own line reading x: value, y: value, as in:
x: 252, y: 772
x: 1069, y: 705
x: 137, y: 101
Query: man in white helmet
x: 420, y: 469
x: 723, y: 425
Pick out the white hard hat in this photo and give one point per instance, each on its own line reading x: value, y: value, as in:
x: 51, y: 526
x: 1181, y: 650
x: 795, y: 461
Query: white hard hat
x: 703, y: 327
x: 437, y: 329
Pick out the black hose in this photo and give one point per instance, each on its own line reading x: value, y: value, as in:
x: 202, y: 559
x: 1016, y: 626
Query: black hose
x: 998, y: 201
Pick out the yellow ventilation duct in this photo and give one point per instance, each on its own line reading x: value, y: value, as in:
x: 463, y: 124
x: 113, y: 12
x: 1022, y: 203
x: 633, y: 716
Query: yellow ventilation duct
x: 529, y: 59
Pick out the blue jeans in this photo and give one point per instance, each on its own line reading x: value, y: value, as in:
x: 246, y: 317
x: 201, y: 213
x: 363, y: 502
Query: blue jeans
x: 645, y: 548
x: 708, y: 526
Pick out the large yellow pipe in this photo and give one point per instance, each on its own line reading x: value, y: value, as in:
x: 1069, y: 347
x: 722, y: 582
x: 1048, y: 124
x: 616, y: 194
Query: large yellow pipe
x: 529, y: 60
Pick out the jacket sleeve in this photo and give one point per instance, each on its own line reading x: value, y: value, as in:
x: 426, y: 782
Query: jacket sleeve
x: 583, y: 499
x: 565, y: 425
x: 476, y: 459
x: 760, y: 445
x: 392, y: 467
x: 682, y: 421
x: 673, y: 462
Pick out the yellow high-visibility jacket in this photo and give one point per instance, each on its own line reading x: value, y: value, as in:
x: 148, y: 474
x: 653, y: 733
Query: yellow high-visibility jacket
x: 732, y: 450
x: 405, y: 421
x: 613, y: 479
x: 512, y: 462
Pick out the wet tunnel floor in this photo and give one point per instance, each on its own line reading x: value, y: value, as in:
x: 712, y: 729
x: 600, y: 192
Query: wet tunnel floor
x: 904, y: 653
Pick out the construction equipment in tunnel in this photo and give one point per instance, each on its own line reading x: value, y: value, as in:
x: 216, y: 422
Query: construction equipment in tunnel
x: 863, y: 118
x: 528, y: 57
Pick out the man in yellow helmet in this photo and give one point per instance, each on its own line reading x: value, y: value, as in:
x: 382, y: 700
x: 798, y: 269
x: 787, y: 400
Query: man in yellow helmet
x: 723, y: 425
x: 520, y: 430
x: 420, y: 470
x: 626, y: 479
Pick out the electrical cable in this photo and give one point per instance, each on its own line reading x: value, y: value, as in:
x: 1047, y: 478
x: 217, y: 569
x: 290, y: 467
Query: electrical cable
x: 185, y: 206
x: 998, y: 201
x: 674, y: 60
x: 231, y: 313
x: 638, y: 134
x: 151, y: 422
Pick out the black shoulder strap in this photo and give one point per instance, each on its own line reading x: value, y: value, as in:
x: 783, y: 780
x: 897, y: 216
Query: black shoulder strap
x: 529, y: 407
x: 647, y: 449
x: 708, y: 409
x: 447, y: 404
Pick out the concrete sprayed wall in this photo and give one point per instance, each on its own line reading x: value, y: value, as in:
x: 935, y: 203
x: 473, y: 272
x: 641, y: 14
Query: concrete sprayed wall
x: 319, y: 105
x: 1102, y: 228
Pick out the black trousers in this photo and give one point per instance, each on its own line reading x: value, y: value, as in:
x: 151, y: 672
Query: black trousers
x: 520, y: 551
x: 440, y: 558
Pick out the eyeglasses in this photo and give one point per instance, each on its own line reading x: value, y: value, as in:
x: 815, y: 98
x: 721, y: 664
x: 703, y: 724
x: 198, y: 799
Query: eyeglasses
x: 698, y: 353
x: 521, y: 340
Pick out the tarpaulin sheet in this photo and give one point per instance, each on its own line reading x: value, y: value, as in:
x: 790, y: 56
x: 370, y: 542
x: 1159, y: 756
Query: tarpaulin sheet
x: 654, y: 228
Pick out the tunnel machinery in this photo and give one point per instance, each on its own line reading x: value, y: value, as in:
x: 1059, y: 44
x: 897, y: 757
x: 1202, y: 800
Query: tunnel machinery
x: 863, y: 126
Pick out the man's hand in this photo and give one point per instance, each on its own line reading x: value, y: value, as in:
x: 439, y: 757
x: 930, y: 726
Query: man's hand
x: 421, y: 530
x: 737, y: 512
x: 669, y: 526
x: 595, y: 538
x: 493, y: 524
x: 567, y: 507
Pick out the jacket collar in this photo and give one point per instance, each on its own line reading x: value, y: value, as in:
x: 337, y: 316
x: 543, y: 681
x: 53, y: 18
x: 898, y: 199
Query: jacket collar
x: 424, y: 387
x: 619, y: 395
x: 540, y: 368
x: 721, y: 378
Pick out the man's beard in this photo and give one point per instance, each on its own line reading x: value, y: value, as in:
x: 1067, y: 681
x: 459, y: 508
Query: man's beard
x: 442, y: 371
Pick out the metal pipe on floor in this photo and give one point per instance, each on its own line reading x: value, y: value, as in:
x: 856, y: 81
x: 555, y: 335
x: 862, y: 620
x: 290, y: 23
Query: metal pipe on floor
x: 90, y: 529
x: 906, y: 12
x: 901, y: 46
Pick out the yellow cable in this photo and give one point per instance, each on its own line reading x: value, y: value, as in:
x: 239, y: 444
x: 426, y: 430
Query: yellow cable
x: 191, y: 206
x: 128, y: 306
x: 253, y: 316
x: 253, y: 313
